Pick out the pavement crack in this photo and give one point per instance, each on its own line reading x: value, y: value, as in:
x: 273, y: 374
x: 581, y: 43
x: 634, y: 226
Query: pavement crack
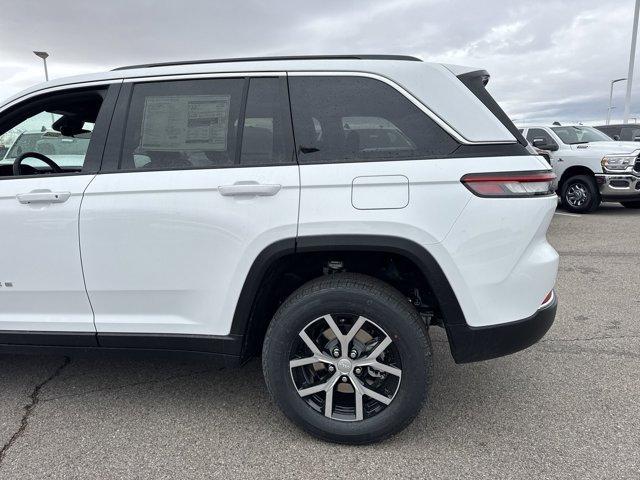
x: 29, y: 408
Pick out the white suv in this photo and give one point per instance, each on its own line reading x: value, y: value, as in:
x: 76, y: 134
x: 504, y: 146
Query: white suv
x: 321, y: 211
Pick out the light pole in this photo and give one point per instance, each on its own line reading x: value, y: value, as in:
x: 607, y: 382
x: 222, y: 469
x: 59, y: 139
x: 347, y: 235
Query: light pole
x: 611, y: 107
x: 632, y: 57
x: 43, y: 56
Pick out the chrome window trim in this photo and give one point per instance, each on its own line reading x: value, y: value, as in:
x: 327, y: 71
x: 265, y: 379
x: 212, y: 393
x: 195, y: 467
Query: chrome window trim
x: 275, y: 73
x: 409, y: 96
x: 346, y: 73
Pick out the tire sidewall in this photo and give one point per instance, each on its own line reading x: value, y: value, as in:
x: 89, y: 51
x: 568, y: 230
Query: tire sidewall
x: 411, y: 347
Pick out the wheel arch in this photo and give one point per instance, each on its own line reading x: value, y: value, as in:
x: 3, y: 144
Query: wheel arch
x: 274, y: 261
x: 572, y: 172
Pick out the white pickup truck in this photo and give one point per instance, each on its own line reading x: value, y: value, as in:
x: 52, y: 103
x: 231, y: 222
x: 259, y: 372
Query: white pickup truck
x: 590, y: 166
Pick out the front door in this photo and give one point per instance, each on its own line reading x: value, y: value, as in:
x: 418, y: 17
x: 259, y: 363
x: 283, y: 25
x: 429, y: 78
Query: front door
x: 53, y: 157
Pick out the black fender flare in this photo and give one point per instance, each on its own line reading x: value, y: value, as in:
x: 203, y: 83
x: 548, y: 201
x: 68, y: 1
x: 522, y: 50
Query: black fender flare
x: 419, y: 255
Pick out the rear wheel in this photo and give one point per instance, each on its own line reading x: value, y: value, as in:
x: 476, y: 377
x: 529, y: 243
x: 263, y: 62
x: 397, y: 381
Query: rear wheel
x: 348, y: 359
x: 631, y: 204
x: 580, y: 194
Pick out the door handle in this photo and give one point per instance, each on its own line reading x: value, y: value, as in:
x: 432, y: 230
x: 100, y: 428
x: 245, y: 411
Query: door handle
x: 249, y: 189
x: 43, y: 196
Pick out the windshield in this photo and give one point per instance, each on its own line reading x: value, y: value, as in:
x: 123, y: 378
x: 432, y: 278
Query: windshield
x: 573, y: 135
x: 49, y: 143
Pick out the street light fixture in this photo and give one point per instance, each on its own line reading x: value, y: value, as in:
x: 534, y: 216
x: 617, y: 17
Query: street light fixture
x: 44, y: 56
x: 611, y: 107
x: 632, y: 56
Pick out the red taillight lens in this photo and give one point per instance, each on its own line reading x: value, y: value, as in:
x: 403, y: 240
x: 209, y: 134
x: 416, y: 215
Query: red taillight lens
x: 509, y: 184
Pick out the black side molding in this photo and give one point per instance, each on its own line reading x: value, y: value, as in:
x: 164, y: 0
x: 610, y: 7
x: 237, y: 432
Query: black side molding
x: 51, y: 339
x: 469, y: 344
x: 225, y: 349
x: 225, y: 345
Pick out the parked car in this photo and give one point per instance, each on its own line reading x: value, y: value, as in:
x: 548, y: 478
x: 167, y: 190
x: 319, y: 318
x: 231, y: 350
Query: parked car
x: 624, y: 132
x: 323, y: 212
x: 589, y: 165
x: 67, y: 152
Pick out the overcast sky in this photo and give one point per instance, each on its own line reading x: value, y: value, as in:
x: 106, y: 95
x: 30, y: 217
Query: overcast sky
x: 549, y: 59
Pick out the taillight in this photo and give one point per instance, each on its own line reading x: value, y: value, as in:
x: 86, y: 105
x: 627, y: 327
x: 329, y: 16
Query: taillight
x: 509, y: 184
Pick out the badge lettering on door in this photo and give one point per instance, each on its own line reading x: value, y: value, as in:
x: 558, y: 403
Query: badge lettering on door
x: 6, y: 284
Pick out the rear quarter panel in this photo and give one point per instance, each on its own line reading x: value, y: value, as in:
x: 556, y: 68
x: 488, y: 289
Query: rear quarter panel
x: 493, y: 251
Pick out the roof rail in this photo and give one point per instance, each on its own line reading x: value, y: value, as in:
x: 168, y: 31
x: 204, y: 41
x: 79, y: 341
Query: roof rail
x: 267, y: 59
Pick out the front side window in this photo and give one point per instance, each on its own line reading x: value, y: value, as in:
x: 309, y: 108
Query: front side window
x: 182, y: 124
x: 573, y: 135
x: 52, y: 136
x: 346, y: 119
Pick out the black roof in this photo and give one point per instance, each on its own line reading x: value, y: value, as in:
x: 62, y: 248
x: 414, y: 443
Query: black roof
x: 267, y: 59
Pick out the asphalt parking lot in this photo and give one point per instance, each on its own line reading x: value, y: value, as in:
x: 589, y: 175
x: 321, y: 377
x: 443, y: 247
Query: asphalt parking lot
x: 566, y: 408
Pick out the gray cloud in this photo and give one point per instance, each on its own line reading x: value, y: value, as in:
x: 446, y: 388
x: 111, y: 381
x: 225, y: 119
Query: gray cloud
x: 549, y: 60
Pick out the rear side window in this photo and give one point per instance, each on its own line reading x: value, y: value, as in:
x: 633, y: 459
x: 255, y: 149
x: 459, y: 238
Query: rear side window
x: 347, y: 119
x: 631, y: 134
x: 611, y: 131
x: 182, y: 124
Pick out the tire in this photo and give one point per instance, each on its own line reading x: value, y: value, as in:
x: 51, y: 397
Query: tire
x: 631, y: 204
x: 347, y: 297
x: 580, y: 194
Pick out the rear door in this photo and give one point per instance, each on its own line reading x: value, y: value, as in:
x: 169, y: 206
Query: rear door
x: 42, y: 290
x: 199, y: 177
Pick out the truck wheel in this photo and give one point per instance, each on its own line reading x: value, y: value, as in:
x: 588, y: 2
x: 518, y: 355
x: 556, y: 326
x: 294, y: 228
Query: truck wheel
x: 580, y: 194
x: 348, y: 359
x: 631, y: 204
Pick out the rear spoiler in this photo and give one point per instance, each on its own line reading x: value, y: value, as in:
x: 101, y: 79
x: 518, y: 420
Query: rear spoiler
x: 476, y: 81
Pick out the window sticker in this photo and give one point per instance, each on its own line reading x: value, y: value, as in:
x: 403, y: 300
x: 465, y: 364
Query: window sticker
x: 185, y: 122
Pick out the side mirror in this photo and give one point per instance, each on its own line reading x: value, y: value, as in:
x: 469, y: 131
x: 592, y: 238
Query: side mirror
x: 541, y: 143
x: 616, y: 137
